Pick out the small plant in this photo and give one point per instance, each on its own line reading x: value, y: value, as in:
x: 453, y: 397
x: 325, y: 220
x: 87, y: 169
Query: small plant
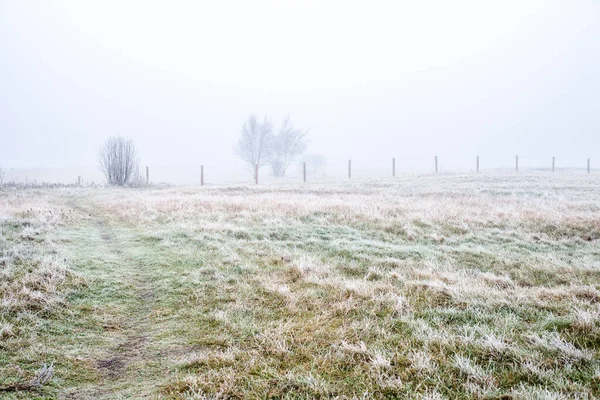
x: 43, y: 376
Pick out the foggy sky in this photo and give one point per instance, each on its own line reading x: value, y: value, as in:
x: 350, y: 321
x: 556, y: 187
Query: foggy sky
x: 369, y: 80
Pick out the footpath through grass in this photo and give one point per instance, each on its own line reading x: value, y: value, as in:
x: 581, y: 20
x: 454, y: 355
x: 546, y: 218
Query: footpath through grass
x: 116, y: 326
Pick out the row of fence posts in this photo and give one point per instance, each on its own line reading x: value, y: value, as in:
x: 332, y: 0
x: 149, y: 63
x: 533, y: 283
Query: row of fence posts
x: 256, y: 167
x: 394, y: 168
x: 437, y: 170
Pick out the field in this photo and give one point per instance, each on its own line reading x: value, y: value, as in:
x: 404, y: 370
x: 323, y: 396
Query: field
x: 433, y: 287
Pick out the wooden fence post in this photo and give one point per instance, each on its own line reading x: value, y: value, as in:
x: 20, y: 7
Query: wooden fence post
x: 517, y: 163
x: 349, y: 169
x: 304, y: 171
x: 436, y: 164
x: 588, y: 166
x: 256, y: 173
x: 553, y: 164
x: 202, y: 175
x: 147, y: 175
x: 394, y: 167
x: 477, y: 163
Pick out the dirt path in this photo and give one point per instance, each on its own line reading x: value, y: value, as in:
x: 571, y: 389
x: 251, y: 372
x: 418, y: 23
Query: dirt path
x: 123, y: 295
x: 135, y: 338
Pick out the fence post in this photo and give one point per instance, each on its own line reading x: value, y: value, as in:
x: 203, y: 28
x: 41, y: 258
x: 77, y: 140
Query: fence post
x: 256, y: 173
x: 477, y: 163
x: 517, y: 163
x: 553, y: 164
x: 588, y: 166
x: 394, y: 167
x: 79, y: 180
x: 349, y: 169
x: 147, y: 175
x: 304, y: 171
x: 436, y: 165
x: 202, y: 175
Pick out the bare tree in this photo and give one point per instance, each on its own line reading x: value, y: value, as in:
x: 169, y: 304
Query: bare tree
x: 288, y: 144
x: 119, y: 161
x: 315, y: 163
x: 254, y: 144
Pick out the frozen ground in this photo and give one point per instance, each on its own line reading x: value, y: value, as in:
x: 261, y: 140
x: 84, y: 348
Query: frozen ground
x: 448, y: 286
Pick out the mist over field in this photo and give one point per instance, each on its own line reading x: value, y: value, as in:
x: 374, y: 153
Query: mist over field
x: 299, y: 200
x: 368, y: 81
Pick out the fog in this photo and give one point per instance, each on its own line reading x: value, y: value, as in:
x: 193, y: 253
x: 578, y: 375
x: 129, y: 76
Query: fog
x: 368, y: 80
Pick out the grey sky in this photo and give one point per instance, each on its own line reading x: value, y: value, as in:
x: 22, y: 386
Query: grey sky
x: 370, y: 80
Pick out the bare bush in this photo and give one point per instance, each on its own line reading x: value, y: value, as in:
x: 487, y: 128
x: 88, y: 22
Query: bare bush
x: 119, y: 161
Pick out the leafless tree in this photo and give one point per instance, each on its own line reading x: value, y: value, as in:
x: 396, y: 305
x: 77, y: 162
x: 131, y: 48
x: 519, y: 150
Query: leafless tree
x: 315, y: 163
x: 288, y: 144
x: 119, y: 161
x: 255, y: 142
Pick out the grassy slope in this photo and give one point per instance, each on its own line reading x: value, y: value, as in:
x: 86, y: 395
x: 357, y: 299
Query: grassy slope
x: 467, y: 288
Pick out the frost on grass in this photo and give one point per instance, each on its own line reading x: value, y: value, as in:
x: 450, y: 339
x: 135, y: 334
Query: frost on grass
x: 33, y: 284
x: 565, y: 350
x: 419, y: 288
x: 458, y: 286
x: 388, y: 276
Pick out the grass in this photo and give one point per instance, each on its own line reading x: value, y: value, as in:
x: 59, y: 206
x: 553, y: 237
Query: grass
x: 454, y: 286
